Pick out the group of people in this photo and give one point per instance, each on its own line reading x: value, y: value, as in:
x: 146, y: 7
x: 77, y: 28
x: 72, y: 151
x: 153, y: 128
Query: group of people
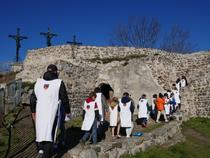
x: 120, y: 111
x: 100, y: 110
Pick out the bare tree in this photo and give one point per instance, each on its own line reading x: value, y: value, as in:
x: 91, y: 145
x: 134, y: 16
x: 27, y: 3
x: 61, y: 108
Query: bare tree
x: 178, y: 40
x: 138, y: 32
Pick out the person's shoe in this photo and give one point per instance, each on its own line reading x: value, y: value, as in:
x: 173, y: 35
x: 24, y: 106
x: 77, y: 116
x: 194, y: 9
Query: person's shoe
x: 118, y: 136
x: 144, y: 125
x: 166, y: 121
x: 127, y: 136
x: 40, y: 154
x: 82, y: 142
x: 157, y: 121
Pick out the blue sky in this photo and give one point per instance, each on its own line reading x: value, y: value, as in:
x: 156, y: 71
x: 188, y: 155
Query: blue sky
x: 92, y: 21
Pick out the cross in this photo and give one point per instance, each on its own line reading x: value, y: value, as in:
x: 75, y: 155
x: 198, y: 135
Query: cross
x: 74, y: 42
x: 18, y: 38
x: 48, y: 36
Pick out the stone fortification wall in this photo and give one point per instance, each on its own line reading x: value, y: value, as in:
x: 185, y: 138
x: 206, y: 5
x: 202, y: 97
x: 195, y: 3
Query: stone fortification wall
x: 125, y: 69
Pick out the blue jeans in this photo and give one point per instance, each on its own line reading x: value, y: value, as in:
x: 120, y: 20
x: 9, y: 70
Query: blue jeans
x: 92, y: 132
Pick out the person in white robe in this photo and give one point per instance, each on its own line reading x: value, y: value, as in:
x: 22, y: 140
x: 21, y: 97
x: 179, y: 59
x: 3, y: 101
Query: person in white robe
x: 126, y: 109
x: 114, y: 117
x: 90, y: 118
x: 172, y: 103
x: 178, y: 84
x: 177, y: 98
x: 183, y: 82
x: 143, y: 110
x: 167, y: 105
x: 48, y: 91
x: 103, y: 112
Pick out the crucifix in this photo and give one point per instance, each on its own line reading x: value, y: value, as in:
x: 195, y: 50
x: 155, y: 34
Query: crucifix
x: 48, y: 36
x: 74, y: 42
x: 18, y: 38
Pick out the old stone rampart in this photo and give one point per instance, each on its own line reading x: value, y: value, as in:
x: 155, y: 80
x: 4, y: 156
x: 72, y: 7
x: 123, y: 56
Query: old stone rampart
x: 134, y: 70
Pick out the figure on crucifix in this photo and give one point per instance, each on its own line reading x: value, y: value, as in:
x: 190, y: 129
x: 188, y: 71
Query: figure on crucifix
x: 18, y: 38
x: 74, y: 42
x: 48, y: 36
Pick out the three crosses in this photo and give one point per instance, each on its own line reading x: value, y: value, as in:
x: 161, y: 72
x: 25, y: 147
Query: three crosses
x: 48, y: 35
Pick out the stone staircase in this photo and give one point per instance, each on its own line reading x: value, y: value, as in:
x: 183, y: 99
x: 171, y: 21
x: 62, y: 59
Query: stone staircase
x: 114, y: 148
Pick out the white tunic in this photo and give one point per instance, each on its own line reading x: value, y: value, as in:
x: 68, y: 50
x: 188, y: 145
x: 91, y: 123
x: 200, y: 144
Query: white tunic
x: 113, y: 115
x: 89, y: 115
x: 167, y: 106
x: 178, y: 86
x: 99, y: 103
x: 176, y: 97
x: 47, y: 93
x: 125, y: 114
x: 183, y: 83
x: 142, y: 113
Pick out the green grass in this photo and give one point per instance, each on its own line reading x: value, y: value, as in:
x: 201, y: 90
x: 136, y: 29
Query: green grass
x: 11, y: 116
x: 30, y: 85
x: 193, y: 147
x: 201, y: 125
x: 4, y: 135
x: 76, y: 122
x: 3, y: 141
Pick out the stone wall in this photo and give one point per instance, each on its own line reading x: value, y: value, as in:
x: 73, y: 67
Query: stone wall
x: 134, y: 70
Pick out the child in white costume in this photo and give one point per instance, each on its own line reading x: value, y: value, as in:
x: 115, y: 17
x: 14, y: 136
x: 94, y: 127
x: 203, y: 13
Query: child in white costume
x: 91, y: 118
x: 126, y: 109
x: 114, y: 117
x: 178, y: 84
x: 167, y: 105
x: 177, y: 98
x: 183, y: 82
x: 143, y: 110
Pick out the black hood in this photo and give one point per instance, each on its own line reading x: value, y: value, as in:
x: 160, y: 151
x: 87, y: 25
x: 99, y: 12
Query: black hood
x: 48, y: 76
x: 125, y: 100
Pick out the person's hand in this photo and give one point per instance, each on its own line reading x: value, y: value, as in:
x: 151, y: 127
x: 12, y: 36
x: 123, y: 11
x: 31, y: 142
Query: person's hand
x: 33, y: 116
x: 107, y: 115
x: 68, y: 117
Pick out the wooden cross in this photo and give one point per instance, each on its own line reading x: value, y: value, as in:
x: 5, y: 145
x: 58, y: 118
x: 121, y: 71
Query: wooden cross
x: 18, y: 38
x: 74, y: 42
x: 48, y: 36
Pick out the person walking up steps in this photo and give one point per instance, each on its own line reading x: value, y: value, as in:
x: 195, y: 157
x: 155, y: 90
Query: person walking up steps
x: 160, y: 108
x: 44, y: 105
x: 167, y: 105
x: 126, y: 109
x: 90, y: 118
x: 114, y: 117
x: 103, y: 112
x: 143, y: 110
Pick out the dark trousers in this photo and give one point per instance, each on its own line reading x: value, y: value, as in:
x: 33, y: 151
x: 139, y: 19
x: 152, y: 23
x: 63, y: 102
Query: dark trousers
x: 93, y: 132
x: 103, y: 127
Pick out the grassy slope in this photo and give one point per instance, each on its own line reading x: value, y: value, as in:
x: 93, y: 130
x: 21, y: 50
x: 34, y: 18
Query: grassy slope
x: 195, y: 130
